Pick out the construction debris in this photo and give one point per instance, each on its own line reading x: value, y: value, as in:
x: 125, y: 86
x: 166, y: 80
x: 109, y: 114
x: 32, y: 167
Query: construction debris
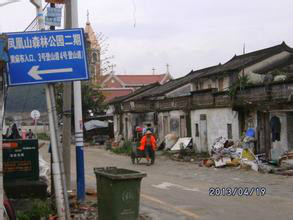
x: 170, y: 140
x: 182, y: 143
x: 225, y: 152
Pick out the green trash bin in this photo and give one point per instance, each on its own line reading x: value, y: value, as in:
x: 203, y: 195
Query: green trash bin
x: 118, y: 192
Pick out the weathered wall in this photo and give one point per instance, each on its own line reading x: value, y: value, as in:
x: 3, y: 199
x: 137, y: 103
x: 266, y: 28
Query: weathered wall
x: 131, y: 120
x: 213, y: 83
x: 284, y: 133
x: 173, y: 123
x: 217, y: 120
x: 116, y: 126
x: 290, y: 130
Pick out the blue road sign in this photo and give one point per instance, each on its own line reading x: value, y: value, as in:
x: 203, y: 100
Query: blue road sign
x: 47, y: 56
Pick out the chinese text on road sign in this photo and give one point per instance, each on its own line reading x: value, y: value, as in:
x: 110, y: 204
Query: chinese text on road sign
x: 47, y: 56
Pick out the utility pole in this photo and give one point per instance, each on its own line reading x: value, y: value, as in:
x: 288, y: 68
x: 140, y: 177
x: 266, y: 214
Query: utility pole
x: 62, y: 204
x: 78, y: 122
x: 67, y: 97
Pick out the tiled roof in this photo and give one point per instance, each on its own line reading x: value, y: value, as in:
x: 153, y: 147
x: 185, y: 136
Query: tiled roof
x: 136, y: 92
x: 141, y: 79
x: 111, y: 94
x: 242, y: 61
x: 236, y: 63
x: 172, y: 84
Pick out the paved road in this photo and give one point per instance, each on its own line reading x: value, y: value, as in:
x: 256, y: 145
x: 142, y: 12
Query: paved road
x: 180, y: 191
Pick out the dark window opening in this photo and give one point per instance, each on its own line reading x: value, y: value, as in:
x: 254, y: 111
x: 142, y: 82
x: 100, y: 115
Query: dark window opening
x: 229, y: 129
x: 196, y: 130
x: 221, y: 84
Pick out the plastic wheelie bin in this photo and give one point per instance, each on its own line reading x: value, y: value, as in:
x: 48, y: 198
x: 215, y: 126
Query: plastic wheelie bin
x: 118, y: 193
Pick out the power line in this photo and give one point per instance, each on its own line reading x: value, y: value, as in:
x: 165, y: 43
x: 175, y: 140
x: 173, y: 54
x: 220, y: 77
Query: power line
x: 35, y: 19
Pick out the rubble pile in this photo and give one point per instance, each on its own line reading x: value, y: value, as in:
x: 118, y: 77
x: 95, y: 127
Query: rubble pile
x: 225, y: 152
x: 86, y: 210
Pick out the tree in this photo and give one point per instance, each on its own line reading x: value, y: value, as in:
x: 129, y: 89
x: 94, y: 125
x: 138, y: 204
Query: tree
x: 92, y: 100
x: 106, y: 60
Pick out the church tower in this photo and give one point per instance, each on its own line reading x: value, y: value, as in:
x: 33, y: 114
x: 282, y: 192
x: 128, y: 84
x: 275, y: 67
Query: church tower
x: 94, y: 52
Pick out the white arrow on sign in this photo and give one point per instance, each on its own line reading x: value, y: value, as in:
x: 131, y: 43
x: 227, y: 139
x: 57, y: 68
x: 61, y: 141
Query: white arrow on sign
x: 35, y: 72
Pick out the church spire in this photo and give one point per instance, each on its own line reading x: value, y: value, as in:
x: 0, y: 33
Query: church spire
x: 88, y: 17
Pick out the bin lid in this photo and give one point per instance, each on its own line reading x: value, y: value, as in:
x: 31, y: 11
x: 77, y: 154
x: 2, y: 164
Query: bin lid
x: 115, y: 173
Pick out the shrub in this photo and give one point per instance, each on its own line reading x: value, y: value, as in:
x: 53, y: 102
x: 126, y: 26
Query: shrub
x: 39, y: 208
x: 125, y: 149
x: 43, y: 136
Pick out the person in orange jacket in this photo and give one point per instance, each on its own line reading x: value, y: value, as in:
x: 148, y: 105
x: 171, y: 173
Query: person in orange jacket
x: 148, y: 145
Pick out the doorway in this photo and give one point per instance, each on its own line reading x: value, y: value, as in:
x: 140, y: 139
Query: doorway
x: 203, y: 132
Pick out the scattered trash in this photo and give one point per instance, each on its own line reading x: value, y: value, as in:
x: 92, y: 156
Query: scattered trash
x: 222, y: 162
x: 240, y: 154
x: 265, y: 168
x: 90, y: 192
x: 82, y: 211
x: 226, y: 152
x: 170, y: 140
x: 247, y: 155
x: 44, y: 171
x: 249, y: 164
x: 182, y: 143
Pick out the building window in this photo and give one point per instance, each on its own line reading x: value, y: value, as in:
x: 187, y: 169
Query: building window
x: 221, y: 84
x: 165, y: 125
x: 229, y: 130
x: 209, y: 86
x: 200, y: 85
x: 196, y: 130
x: 95, y: 57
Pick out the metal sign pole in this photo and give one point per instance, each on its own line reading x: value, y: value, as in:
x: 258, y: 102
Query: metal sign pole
x: 78, y: 122
x: 62, y: 205
x: 59, y: 193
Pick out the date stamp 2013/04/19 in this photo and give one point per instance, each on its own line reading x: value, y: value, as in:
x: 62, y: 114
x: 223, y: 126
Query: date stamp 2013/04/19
x: 237, y: 191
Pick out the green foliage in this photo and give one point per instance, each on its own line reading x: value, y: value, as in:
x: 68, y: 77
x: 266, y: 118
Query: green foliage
x: 39, y: 208
x: 92, y: 99
x: 125, y: 149
x: 239, y: 84
x: 43, y: 136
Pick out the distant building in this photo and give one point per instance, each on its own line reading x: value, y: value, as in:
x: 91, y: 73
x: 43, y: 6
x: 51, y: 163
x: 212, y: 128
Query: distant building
x: 249, y: 91
x: 113, y: 85
x: 119, y: 85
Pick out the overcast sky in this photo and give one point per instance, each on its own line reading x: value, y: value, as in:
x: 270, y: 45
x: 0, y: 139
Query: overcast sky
x: 187, y: 34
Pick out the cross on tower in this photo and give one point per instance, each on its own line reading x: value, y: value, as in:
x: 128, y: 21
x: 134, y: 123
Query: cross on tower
x: 112, y: 68
x: 88, y: 16
x: 167, y: 65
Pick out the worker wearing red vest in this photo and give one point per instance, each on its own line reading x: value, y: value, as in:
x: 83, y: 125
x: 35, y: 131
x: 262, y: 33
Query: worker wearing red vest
x: 148, y: 145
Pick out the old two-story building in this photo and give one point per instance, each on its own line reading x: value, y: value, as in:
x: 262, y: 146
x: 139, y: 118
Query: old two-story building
x: 252, y: 90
